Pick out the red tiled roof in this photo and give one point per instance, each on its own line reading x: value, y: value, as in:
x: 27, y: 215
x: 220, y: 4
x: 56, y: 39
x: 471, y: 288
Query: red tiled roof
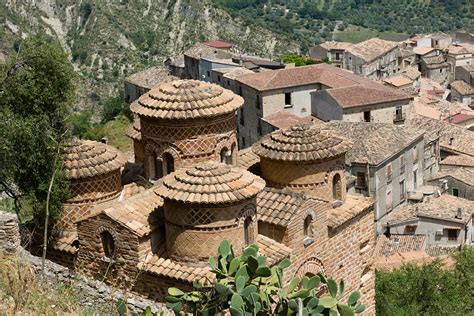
x: 218, y: 44
x: 460, y: 117
x: 284, y: 119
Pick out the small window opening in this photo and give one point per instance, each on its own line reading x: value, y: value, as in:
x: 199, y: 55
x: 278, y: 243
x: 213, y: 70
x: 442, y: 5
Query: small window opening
x: 108, y: 244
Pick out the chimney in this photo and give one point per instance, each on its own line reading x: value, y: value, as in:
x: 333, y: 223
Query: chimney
x: 459, y: 213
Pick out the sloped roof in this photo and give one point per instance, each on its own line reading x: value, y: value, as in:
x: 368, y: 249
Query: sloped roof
x: 453, y: 137
x: 283, y: 119
x: 150, y: 77
x: 302, y: 143
x: 247, y: 158
x: 200, y: 50
x: 371, y: 49
x: 330, y: 45
x: 460, y: 117
x: 64, y: 241
x: 87, y: 158
x: 457, y: 50
x: 374, y: 142
x: 210, y: 183
x: 186, y: 99
x: 398, y: 80
x: 134, y: 130
x: 355, y: 96
x: 462, y: 87
x: 423, y: 50
x: 398, y: 243
x: 277, y: 207
x: 218, y: 44
x: 444, y: 208
x: 352, y: 206
x: 272, y: 250
x: 435, y: 61
x: 458, y: 160
x: 465, y: 175
x: 411, y: 72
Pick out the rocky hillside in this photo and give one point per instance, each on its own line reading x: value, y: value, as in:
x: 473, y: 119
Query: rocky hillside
x: 109, y: 39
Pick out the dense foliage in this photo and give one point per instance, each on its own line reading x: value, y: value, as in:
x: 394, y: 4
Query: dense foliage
x: 246, y: 285
x: 429, y: 289
x: 300, y: 60
x: 36, y: 92
x: 309, y: 21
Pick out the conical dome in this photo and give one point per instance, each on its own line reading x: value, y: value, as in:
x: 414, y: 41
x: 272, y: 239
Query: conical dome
x: 186, y: 99
x: 87, y: 158
x: 210, y: 182
x: 302, y: 143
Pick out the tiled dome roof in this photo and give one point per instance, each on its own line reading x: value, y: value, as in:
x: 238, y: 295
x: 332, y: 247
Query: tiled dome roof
x: 186, y: 99
x: 302, y: 143
x: 87, y: 158
x: 134, y: 131
x: 210, y: 183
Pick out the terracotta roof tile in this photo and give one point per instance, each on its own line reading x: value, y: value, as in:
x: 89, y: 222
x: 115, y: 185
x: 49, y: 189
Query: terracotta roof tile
x: 435, y: 61
x: 134, y: 131
x: 86, y: 158
x: 457, y: 50
x: 411, y: 73
x: 371, y: 49
x: 359, y: 95
x: 247, y: 158
x: 302, y: 143
x: 150, y: 77
x: 272, y: 250
x: 398, y: 80
x: 444, y: 207
x: 333, y: 45
x: 399, y: 243
x: 381, y: 141
x: 423, y: 50
x: 64, y: 242
x: 352, y: 206
x: 462, y: 87
x: 465, y: 175
x: 186, y: 99
x: 210, y: 183
x: 278, y: 206
x: 283, y: 119
x: 458, y: 160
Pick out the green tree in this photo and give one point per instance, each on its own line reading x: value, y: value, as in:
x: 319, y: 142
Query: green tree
x: 113, y: 107
x: 246, y: 285
x: 36, y: 92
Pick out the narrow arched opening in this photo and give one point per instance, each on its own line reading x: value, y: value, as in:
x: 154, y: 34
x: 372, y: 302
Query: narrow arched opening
x: 168, y: 164
x: 226, y: 156
x: 108, y: 244
x: 248, y: 234
x: 337, y: 187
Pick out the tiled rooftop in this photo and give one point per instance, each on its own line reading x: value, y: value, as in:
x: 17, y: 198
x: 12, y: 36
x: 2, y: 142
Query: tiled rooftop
x: 134, y: 131
x: 423, y: 50
x: 435, y: 61
x: 150, y: 77
x: 247, y: 158
x: 444, y: 207
x: 87, y: 158
x: 333, y: 45
x: 457, y: 50
x: 64, y: 241
x: 210, y: 183
x: 352, y: 206
x: 458, y: 160
x: 465, y: 175
x: 460, y: 117
x: 200, y: 50
x: 272, y: 250
x: 283, y: 119
x: 360, y: 95
x: 398, y: 80
x: 411, y: 72
x: 462, y: 87
x: 453, y: 137
x: 380, y: 141
x: 398, y: 243
x: 302, y: 143
x: 133, y: 212
x: 277, y: 207
x: 186, y: 99
x: 233, y: 72
x: 371, y: 49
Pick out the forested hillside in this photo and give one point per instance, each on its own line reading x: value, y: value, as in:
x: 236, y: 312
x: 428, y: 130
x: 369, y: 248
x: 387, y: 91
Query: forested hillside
x: 310, y: 21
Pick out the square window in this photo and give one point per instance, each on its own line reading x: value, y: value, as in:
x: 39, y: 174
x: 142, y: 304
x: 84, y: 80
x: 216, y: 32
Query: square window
x: 366, y: 116
x: 452, y: 234
x: 455, y: 192
x: 361, y: 180
x: 288, y: 98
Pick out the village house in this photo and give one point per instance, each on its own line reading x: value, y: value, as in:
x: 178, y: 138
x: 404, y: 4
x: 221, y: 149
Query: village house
x: 462, y: 92
x: 463, y: 119
x: 332, y: 51
x: 323, y: 91
x: 406, y: 58
x: 141, y: 82
x: 465, y: 73
x: 435, y: 68
x: 193, y: 69
x: 374, y: 58
x: 399, y: 81
x: 435, y: 40
x: 445, y: 220
x: 226, y: 77
x: 455, y: 181
x: 386, y: 162
x: 458, y: 56
x: 457, y: 161
x: 298, y: 208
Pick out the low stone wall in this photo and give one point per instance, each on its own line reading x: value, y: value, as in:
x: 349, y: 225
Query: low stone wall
x: 95, y: 292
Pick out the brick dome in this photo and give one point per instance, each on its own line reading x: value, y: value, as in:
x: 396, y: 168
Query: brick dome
x: 210, y: 183
x: 186, y: 99
x: 86, y: 158
x: 302, y: 143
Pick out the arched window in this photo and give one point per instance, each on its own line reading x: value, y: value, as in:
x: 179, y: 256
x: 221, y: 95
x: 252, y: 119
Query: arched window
x: 226, y: 156
x: 308, y: 230
x: 233, y: 154
x: 248, y: 234
x: 337, y: 187
x: 108, y: 244
x: 168, y: 164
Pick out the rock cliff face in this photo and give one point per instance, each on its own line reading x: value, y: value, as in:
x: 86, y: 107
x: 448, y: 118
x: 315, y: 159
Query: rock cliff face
x: 109, y: 39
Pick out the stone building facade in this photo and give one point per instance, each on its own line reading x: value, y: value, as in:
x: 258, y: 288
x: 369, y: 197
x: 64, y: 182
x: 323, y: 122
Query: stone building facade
x: 183, y: 123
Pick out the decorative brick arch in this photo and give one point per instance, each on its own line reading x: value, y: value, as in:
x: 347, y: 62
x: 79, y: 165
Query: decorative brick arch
x: 311, y: 266
x: 248, y: 210
x: 228, y: 142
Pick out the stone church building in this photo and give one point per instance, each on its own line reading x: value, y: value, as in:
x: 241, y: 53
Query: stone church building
x: 147, y: 240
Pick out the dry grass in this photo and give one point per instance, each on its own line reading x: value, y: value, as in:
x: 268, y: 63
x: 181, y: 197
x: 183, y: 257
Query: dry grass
x: 23, y: 292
